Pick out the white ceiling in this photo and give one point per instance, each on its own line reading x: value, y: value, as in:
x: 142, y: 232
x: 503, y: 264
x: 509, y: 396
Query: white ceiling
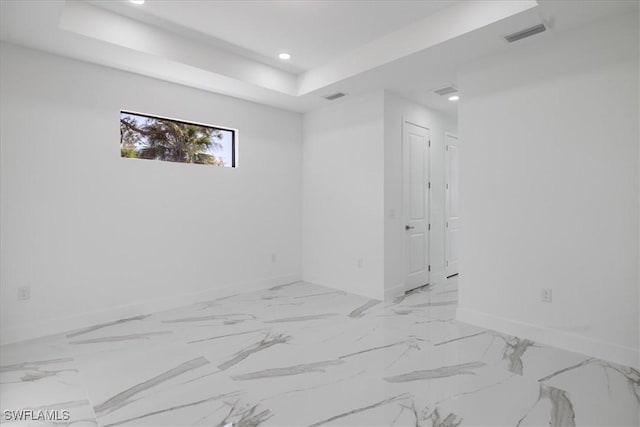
x: 314, y: 32
x: 229, y: 47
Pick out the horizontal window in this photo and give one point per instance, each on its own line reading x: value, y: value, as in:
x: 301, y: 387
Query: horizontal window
x: 157, y: 138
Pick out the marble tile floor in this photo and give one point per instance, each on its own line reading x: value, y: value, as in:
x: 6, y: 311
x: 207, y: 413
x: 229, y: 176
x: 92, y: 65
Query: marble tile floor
x: 305, y: 355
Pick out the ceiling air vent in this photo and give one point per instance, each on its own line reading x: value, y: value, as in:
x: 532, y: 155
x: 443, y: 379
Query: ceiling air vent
x: 445, y: 90
x: 334, y: 96
x: 525, y: 33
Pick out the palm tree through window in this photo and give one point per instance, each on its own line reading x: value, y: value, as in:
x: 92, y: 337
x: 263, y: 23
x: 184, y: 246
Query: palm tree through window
x: 156, y: 138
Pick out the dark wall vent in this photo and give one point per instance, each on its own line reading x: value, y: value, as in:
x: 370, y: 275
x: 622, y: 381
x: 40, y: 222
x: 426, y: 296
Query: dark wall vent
x: 334, y: 96
x: 540, y: 28
x: 445, y: 90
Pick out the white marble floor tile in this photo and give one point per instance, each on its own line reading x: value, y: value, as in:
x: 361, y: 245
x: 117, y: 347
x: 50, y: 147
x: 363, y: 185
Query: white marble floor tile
x: 40, y: 377
x: 305, y: 355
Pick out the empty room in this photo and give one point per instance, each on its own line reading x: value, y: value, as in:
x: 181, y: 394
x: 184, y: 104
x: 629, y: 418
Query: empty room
x: 306, y: 213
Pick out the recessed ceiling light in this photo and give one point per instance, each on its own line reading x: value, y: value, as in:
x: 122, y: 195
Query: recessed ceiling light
x: 454, y: 98
x: 284, y: 56
x: 137, y: 1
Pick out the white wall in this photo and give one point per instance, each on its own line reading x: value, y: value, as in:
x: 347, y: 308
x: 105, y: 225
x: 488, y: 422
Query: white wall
x: 397, y: 110
x: 550, y: 189
x: 343, y: 208
x: 97, y: 236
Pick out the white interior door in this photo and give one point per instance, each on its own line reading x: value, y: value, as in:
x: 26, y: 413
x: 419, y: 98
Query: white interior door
x: 452, y: 194
x: 415, y: 189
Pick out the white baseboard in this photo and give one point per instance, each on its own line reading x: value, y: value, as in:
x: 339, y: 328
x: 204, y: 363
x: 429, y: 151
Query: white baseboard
x: 394, y: 292
x: 436, y: 278
x: 65, y: 324
x: 627, y: 356
x: 339, y: 288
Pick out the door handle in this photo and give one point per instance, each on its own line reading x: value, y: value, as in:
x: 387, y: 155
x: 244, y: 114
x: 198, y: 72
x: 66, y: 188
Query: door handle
x: 409, y: 227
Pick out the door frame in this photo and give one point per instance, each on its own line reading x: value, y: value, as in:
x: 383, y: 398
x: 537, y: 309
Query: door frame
x: 447, y: 196
x: 405, y: 262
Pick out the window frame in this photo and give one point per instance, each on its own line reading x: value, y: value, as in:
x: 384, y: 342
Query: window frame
x: 234, y: 132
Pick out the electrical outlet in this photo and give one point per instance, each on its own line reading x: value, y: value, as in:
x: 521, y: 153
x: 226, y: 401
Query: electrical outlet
x: 545, y: 295
x: 274, y: 257
x: 24, y: 293
x: 359, y: 263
